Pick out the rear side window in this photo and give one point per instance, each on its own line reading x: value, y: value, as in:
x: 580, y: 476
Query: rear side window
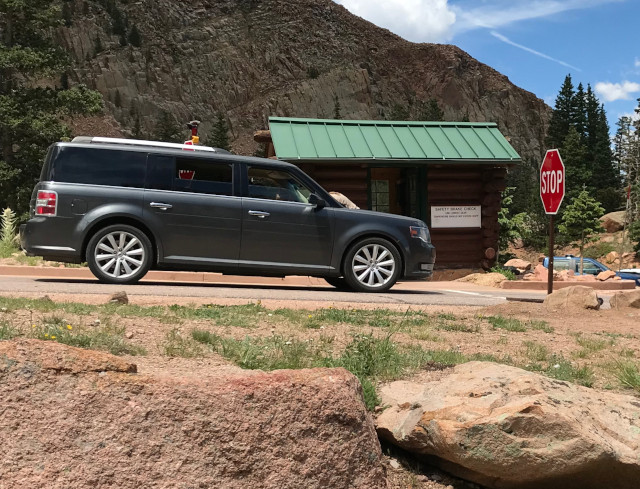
x: 100, y: 167
x: 266, y: 183
x: 203, y: 176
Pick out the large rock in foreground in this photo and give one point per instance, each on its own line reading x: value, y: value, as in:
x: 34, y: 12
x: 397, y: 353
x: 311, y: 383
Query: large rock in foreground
x: 71, y: 418
x: 576, y: 297
x: 503, y: 427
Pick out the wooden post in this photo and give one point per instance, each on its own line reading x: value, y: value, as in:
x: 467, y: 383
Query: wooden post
x: 552, y: 243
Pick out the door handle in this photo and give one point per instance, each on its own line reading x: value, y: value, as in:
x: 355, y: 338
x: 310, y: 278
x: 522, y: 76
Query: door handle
x: 259, y: 214
x: 160, y: 205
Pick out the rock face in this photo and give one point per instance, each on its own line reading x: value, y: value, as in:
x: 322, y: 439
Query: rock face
x: 613, y: 222
x: 626, y: 299
x: 72, y: 418
x: 506, y: 428
x: 576, y: 297
x: 251, y: 59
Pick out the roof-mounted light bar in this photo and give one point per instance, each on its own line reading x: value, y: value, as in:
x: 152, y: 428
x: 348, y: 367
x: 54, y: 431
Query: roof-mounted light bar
x: 140, y: 142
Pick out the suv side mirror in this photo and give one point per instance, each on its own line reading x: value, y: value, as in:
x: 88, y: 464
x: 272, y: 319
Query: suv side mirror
x: 317, y: 202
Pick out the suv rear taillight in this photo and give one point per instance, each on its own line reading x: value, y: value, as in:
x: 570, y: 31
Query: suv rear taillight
x: 46, y: 203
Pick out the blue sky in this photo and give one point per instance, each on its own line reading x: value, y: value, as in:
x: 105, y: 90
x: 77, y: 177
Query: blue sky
x: 536, y: 43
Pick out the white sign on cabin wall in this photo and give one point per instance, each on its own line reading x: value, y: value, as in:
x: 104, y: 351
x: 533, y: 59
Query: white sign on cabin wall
x: 458, y: 216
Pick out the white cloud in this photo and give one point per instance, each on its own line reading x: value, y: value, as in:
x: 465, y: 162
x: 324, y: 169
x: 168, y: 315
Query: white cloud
x: 441, y: 20
x: 611, y: 92
x: 415, y: 20
x: 637, y: 63
x: 505, y: 39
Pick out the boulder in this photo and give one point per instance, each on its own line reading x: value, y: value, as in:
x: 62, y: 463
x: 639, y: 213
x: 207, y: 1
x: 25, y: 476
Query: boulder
x: 613, y: 222
x: 606, y: 275
x: 542, y: 273
x: 506, y: 428
x: 621, y: 300
x: 586, y: 278
x: 574, y: 297
x: 484, y: 279
x: 73, y: 418
x: 611, y: 257
x: 520, y: 265
x: 567, y: 275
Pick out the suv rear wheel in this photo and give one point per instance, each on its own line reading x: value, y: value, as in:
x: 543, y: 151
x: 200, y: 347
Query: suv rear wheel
x: 372, y: 265
x: 119, y: 254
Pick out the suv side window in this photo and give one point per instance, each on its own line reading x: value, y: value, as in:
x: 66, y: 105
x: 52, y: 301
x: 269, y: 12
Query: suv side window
x: 265, y: 183
x: 203, y: 176
x: 561, y: 264
x: 100, y: 167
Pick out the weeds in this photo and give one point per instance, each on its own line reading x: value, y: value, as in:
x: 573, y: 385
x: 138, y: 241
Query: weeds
x: 628, y: 374
x: 106, y: 337
x: 535, y: 352
x: 7, y: 331
x: 508, y: 324
x: 8, y: 233
x: 176, y: 345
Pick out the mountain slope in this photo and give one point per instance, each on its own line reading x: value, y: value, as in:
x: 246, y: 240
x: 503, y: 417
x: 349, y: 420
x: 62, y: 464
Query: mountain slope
x: 254, y: 58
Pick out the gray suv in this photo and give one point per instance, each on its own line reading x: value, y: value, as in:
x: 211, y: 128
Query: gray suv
x: 125, y: 206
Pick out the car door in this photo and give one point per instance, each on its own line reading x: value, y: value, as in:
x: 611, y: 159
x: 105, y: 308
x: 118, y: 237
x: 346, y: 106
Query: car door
x: 281, y: 231
x: 190, y: 201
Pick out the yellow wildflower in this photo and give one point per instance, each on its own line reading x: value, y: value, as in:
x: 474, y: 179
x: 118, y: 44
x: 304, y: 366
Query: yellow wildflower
x: 53, y: 337
x: 310, y: 316
x: 69, y: 327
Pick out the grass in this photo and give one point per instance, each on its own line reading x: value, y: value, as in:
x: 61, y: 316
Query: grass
x: 7, y: 331
x: 535, y: 352
x: 559, y: 368
x: 106, y: 337
x: 177, y: 345
x: 509, y: 275
x: 514, y: 325
x: 628, y: 374
x: 368, y: 357
x: 590, y: 345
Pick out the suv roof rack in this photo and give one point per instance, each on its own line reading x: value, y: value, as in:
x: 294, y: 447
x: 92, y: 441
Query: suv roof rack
x: 140, y: 142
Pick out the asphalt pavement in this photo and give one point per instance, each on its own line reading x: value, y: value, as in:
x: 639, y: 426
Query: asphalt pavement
x: 404, y: 293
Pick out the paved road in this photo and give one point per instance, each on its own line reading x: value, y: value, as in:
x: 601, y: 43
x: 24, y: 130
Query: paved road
x: 408, y: 293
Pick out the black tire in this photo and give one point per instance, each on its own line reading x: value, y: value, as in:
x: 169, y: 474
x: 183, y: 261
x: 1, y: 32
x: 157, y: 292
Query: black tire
x: 385, y: 268
x: 131, y: 260
x: 338, y: 282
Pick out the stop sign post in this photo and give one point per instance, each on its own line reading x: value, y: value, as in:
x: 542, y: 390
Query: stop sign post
x: 552, y: 185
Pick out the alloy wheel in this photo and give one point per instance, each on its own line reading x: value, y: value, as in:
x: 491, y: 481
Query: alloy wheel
x: 119, y: 254
x: 373, y: 265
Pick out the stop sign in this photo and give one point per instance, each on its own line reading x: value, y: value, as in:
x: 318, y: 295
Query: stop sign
x: 552, y: 181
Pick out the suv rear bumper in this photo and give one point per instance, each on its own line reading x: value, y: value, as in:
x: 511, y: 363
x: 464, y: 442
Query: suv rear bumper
x: 39, y: 230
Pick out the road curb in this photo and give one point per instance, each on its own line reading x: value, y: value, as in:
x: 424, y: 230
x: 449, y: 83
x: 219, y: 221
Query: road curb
x: 163, y: 276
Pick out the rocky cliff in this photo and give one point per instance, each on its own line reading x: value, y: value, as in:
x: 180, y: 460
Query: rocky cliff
x: 251, y: 59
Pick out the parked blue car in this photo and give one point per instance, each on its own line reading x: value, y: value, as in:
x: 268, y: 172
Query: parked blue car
x: 590, y: 267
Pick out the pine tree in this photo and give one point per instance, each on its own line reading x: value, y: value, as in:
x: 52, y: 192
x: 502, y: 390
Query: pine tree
x: 581, y: 221
x: 580, y: 111
x: 574, y: 156
x: 398, y: 113
x: 167, y: 129
x: 219, y: 137
x: 337, y: 109
x: 31, y: 117
x: 563, y: 115
x: 431, y: 111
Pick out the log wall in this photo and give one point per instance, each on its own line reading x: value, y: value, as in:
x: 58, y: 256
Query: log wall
x: 349, y: 180
x: 467, y: 247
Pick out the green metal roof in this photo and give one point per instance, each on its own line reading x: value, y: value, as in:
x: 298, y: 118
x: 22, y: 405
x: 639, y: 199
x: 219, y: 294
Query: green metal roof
x: 322, y: 139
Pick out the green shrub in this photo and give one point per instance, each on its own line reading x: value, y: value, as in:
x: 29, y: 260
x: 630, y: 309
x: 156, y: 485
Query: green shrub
x: 507, y: 273
x: 599, y: 250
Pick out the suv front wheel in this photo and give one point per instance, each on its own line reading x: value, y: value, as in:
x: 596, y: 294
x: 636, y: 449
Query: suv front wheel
x: 119, y: 254
x: 372, y: 265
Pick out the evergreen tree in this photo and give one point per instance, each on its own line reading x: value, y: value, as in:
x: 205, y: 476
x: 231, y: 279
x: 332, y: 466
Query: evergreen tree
x: 574, y: 157
x: 398, y: 113
x: 563, y: 115
x: 580, y: 111
x: 67, y: 13
x: 431, y: 111
x: 581, y: 221
x: 337, y: 109
x: 167, y: 129
x: 31, y: 115
x: 135, y: 39
x: 219, y: 137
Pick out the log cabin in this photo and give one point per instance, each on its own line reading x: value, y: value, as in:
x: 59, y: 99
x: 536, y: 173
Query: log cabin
x: 449, y: 174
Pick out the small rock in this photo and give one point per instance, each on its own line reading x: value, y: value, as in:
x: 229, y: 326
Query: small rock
x: 604, y: 276
x: 4, y: 309
x: 96, y: 322
x: 436, y: 477
x: 119, y: 298
x: 422, y: 478
x: 140, y: 331
x: 46, y: 298
x: 521, y: 265
x: 128, y: 335
x: 394, y: 464
x: 626, y: 299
